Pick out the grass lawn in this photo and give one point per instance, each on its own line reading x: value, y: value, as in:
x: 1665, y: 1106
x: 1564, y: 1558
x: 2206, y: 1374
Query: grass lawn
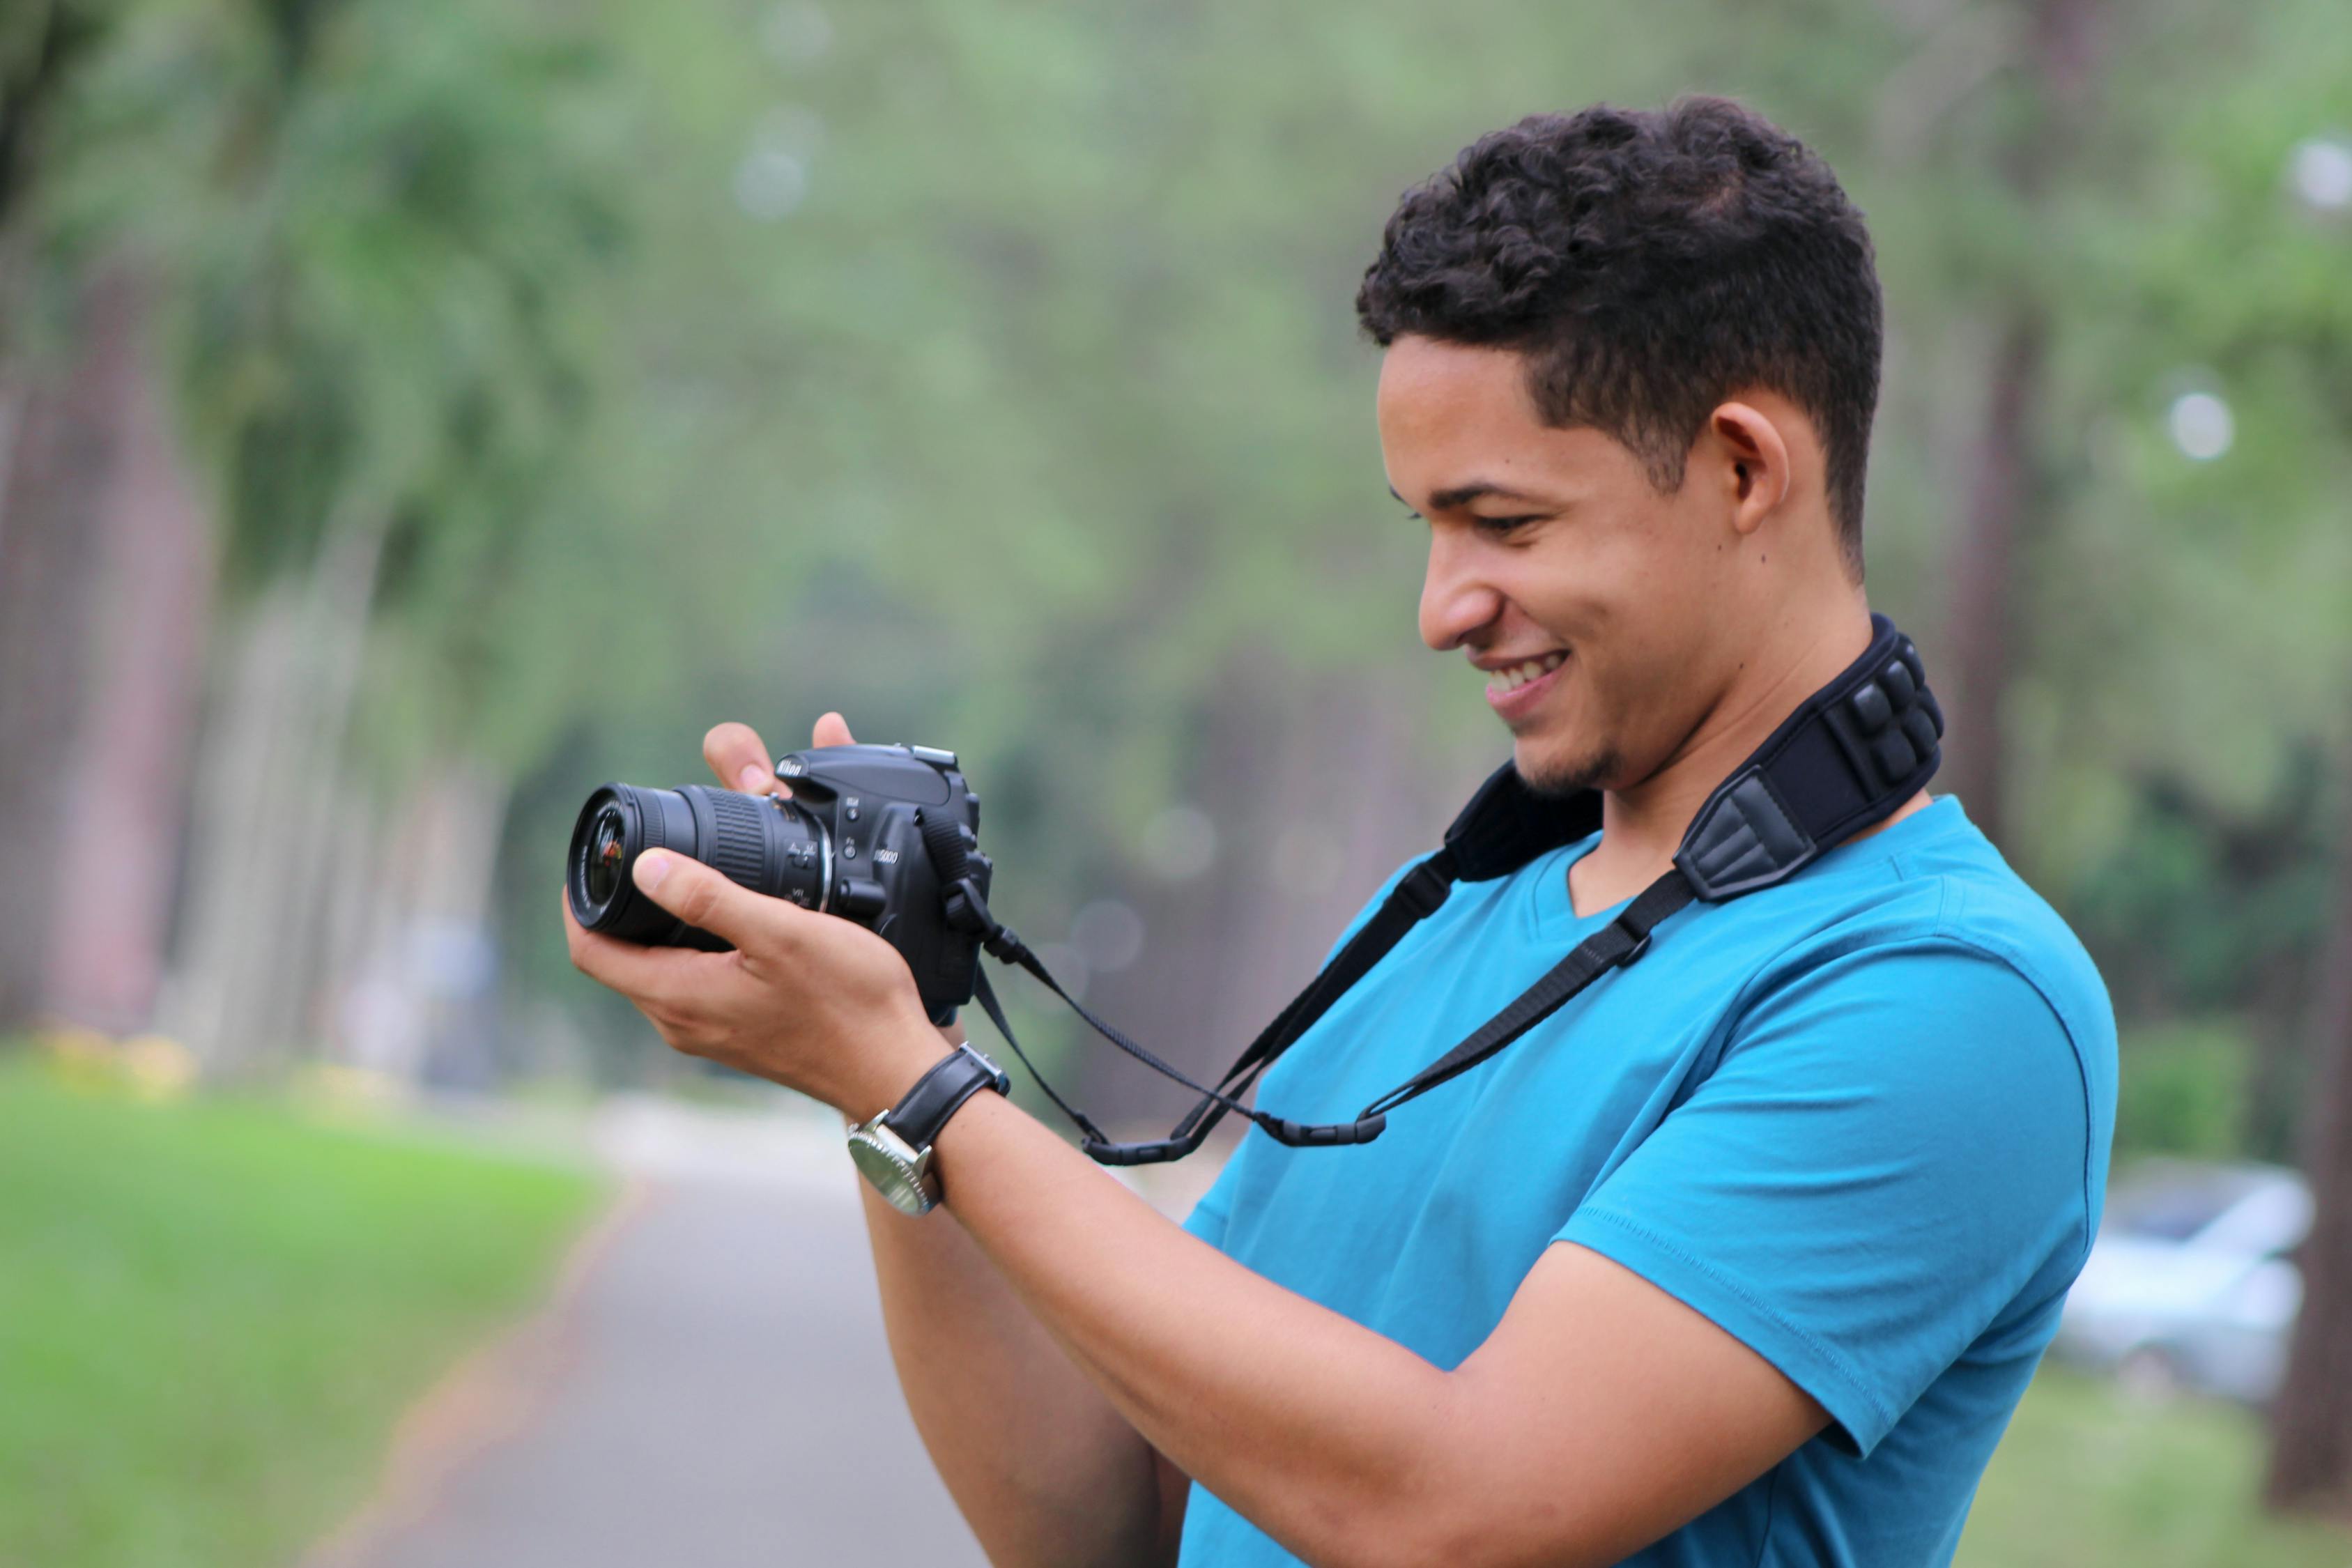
x: 2087, y: 1476
x: 212, y: 1311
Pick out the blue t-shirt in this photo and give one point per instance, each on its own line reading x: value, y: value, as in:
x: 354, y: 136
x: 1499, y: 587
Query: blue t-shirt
x: 1860, y: 1120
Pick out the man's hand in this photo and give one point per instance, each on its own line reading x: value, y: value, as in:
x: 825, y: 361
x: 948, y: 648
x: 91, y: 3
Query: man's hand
x: 806, y: 999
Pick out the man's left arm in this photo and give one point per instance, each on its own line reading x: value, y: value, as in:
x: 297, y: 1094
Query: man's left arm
x: 1601, y: 1413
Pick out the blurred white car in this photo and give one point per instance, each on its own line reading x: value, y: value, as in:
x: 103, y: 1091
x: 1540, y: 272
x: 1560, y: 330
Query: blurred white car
x: 2191, y: 1284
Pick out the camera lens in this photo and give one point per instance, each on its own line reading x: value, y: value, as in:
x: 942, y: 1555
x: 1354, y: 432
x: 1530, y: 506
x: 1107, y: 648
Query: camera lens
x: 603, y: 868
x: 765, y: 843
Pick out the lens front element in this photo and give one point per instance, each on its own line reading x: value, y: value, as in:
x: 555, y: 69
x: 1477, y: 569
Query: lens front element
x: 606, y: 849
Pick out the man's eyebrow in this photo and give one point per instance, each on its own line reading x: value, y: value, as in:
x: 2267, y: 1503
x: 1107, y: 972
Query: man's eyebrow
x: 1462, y: 495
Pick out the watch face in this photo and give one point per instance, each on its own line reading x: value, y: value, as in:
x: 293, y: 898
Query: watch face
x: 897, y: 1177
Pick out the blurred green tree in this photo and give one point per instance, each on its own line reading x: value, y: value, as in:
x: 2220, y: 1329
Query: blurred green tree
x: 374, y: 221
x: 570, y: 380
x: 2211, y: 527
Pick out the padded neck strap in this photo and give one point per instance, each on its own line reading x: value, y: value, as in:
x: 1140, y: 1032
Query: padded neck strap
x: 1847, y: 758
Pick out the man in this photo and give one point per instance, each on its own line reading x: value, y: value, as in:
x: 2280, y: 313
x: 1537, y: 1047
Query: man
x: 1742, y: 1256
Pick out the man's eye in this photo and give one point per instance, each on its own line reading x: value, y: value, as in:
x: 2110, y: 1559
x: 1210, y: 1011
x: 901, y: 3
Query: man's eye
x: 1501, y: 525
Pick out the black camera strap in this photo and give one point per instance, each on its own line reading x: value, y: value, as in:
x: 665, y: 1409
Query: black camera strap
x: 1845, y: 760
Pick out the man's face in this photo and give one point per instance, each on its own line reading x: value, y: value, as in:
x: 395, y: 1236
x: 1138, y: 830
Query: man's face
x: 1605, y: 614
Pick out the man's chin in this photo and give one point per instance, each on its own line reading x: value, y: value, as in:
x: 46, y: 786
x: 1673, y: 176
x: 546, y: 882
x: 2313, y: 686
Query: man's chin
x: 1555, y: 771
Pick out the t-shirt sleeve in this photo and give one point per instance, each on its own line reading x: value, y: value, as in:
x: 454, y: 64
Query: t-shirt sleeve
x: 1889, y: 1151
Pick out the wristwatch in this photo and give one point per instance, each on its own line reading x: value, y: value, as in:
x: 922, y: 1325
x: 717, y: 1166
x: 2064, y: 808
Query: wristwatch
x: 894, y: 1150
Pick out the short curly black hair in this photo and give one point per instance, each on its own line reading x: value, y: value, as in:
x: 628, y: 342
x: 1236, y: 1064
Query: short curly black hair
x: 1649, y: 264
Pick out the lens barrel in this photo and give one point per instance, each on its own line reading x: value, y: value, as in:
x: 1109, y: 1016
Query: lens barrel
x: 765, y: 843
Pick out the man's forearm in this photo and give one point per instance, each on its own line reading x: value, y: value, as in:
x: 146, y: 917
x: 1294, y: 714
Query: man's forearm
x: 1313, y: 1426
x: 1048, y: 1474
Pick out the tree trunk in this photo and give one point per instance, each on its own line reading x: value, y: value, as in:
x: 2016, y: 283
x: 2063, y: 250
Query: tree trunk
x: 1980, y: 627
x: 246, y: 990
x: 49, y: 464
x: 125, y: 789
x: 414, y: 990
x: 2311, y: 1422
x: 2008, y: 497
x: 49, y: 566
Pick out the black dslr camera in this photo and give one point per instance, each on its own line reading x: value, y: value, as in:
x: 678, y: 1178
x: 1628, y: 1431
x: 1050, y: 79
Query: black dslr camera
x: 865, y: 836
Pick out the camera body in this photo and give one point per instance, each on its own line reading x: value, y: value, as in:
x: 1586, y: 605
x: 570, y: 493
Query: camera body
x: 849, y: 842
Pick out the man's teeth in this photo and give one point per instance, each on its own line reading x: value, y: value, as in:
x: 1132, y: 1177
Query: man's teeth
x: 1518, y: 675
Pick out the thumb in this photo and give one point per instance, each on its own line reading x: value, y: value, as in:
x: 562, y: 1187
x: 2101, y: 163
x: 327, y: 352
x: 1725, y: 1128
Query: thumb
x: 701, y: 895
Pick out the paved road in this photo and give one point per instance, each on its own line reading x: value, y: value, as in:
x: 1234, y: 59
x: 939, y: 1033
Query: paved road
x: 713, y: 1392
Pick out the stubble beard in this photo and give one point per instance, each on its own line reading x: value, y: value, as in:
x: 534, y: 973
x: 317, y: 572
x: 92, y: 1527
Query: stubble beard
x: 1555, y: 778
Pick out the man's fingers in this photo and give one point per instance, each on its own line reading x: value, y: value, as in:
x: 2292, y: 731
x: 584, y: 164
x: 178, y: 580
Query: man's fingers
x: 702, y: 897
x: 650, y: 976
x: 736, y: 755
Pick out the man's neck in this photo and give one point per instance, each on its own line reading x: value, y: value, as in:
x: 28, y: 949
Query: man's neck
x: 1642, y: 826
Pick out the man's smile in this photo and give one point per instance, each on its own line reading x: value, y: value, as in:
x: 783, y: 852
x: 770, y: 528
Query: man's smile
x: 1513, y: 689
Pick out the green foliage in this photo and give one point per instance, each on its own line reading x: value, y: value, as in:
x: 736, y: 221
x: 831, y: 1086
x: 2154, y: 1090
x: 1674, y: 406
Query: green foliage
x: 2201, y: 906
x: 988, y: 370
x: 1040, y: 419
x: 381, y: 230
x: 210, y: 1313
x: 2185, y: 1089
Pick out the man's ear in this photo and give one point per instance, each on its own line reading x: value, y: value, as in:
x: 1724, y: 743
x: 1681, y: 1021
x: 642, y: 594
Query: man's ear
x: 1752, y: 460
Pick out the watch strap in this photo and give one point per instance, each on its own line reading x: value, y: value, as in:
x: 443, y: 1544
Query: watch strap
x: 940, y: 1093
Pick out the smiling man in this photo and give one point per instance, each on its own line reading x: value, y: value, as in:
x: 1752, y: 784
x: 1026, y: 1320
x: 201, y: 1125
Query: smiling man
x: 1743, y: 1256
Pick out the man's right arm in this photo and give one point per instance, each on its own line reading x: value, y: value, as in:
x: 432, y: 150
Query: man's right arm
x: 1046, y: 1472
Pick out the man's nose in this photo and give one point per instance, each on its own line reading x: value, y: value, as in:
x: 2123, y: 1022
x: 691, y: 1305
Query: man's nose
x: 1456, y: 598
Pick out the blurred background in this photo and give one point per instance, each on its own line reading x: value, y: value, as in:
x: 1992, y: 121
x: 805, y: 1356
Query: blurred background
x: 414, y: 414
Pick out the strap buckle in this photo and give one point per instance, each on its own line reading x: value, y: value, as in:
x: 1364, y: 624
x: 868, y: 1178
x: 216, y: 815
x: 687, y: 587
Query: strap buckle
x: 1640, y: 942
